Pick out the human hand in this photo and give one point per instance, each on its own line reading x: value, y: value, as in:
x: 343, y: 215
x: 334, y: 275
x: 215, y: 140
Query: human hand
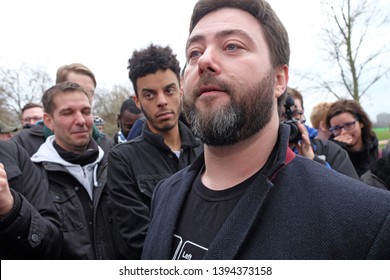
x: 6, y: 198
x: 345, y: 138
x: 304, y: 146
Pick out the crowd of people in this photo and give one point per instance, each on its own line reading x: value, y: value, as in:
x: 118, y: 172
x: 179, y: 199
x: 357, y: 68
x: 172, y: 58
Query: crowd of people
x: 211, y: 162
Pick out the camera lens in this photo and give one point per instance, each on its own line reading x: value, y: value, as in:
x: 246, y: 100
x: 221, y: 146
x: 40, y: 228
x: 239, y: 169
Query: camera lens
x: 295, y: 134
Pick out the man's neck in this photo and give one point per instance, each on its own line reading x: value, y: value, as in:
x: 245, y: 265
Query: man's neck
x: 172, y: 138
x: 228, y: 166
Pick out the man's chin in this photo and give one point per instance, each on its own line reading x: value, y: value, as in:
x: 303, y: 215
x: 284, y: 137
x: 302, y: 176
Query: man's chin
x: 81, y: 141
x: 164, y: 127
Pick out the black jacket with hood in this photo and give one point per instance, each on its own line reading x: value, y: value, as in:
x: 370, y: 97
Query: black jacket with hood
x: 81, y: 198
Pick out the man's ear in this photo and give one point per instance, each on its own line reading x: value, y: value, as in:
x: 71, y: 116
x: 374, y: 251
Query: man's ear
x: 281, y: 80
x: 322, y: 126
x: 48, y: 121
x: 136, y: 101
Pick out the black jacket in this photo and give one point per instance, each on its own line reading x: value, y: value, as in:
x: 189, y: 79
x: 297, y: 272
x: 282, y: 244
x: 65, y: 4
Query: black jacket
x: 134, y: 169
x: 379, y: 174
x: 294, y: 209
x: 86, y: 223
x: 363, y: 159
x: 31, y: 230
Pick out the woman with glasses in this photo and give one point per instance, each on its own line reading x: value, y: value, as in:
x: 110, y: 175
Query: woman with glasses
x: 352, y: 129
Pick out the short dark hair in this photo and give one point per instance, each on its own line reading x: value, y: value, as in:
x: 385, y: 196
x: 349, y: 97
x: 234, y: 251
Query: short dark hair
x: 129, y: 105
x: 295, y: 94
x: 274, y: 30
x: 49, y: 94
x: 30, y: 105
x: 150, y: 60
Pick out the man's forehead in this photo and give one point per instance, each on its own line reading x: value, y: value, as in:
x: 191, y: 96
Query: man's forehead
x: 74, y: 98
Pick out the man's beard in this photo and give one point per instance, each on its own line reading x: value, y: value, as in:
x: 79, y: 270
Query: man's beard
x: 162, y: 128
x: 249, y: 111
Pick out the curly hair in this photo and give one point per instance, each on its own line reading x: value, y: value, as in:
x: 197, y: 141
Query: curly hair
x: 149, y: 61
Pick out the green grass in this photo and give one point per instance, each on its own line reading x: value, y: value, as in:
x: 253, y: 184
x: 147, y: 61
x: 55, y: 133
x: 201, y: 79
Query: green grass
x: 382, y: 133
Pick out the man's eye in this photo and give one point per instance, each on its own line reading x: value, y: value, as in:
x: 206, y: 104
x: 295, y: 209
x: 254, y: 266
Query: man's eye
x: 148, y: 95
x: 171, y: 90
x: 231, y: 47
x: 194, y: 54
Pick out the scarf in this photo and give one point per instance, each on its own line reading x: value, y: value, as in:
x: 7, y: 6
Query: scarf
x: 90, y: 154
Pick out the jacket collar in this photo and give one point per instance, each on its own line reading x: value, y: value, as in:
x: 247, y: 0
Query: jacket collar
x: 235, y: 227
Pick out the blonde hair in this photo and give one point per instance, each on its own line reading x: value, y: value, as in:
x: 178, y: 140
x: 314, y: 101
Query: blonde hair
x: 64, y: 70
x: 318, y: 114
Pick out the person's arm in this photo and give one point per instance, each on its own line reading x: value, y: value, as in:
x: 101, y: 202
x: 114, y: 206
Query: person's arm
x: 130, y: 209
x: 338, y: 158
x: 6, y: 198
x: 304, y: 146
x: 30, y: 228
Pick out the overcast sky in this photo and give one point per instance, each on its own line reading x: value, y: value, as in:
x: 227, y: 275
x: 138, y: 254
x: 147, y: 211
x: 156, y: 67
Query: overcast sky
x: 103, y: 34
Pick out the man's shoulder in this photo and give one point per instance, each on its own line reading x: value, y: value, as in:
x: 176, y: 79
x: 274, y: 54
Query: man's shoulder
x: 137, y: 145
x: 8, y: 152
x: 30, y: 138
x: 317, y: 178
x: 32, y: 131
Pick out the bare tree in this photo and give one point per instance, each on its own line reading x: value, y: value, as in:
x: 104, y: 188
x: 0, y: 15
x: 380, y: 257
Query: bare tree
x: 23, y: 85
x: 355, y: 46
x: 6, y: 115
x: 107, y: 105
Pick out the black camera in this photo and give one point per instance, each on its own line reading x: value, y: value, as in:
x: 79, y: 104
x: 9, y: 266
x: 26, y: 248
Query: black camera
x: 295, y: 134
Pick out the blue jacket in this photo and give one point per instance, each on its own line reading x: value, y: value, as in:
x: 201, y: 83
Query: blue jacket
x: 294, y: 209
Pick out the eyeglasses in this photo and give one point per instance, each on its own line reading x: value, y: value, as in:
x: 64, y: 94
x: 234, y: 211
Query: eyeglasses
x: 34, y: 119
x: 348, y: 126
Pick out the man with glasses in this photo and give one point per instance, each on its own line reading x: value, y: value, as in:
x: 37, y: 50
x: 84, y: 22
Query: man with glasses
x: 31, y: 114
x: 321, y: 151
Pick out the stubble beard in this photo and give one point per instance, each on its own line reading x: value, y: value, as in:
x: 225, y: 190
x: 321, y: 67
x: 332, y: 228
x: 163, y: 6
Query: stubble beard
x: 249, y: 111
x: 165, y: 127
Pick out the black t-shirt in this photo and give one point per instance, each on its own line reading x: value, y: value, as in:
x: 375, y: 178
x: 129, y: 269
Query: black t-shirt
x: 203, y: 214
